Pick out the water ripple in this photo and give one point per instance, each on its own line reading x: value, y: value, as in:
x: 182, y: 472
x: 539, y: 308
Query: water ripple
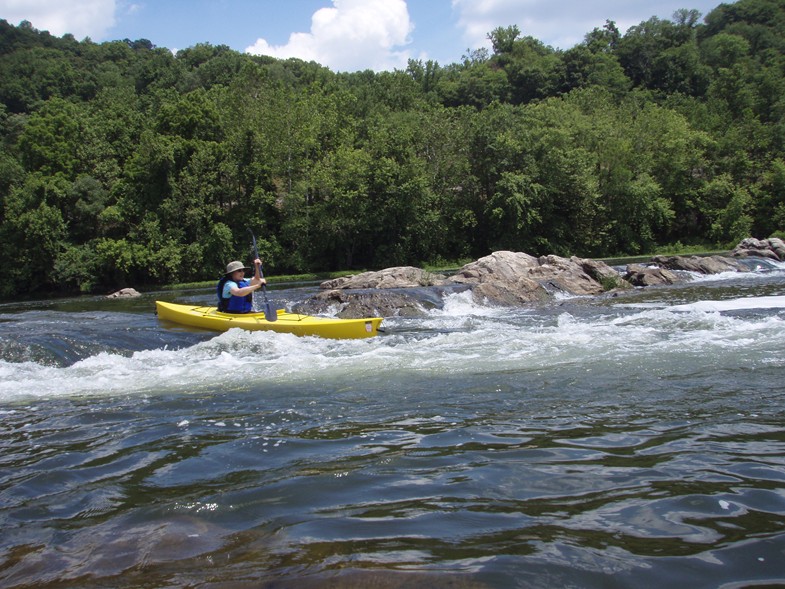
x: 586, y: 445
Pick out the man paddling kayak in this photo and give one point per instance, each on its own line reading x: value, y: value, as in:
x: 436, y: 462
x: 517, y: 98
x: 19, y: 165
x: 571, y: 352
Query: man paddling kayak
x: 235, y: 292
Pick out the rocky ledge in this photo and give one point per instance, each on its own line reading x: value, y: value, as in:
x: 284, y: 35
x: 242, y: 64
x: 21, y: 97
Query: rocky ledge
x: 507, y: 278
x: 399, y: 277
x: 662, y: 269
x: 503, y: 278
x: 515, y: 278
x: 772, y: 249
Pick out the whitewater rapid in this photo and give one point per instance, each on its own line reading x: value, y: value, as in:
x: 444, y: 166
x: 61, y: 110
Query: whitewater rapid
x: 460, y: 338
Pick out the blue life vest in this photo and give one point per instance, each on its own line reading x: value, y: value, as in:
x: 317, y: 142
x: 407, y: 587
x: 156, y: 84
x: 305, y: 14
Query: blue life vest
x: 234, y: 304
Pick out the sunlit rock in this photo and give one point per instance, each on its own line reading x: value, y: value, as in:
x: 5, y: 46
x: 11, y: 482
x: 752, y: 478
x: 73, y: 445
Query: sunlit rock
x: 772, y: 248
x: 640, y: 275
x: 355, y: 305
x: 124, y: 293
x: 700, y: 264
x: 397, y: 277
x: 513, y: 278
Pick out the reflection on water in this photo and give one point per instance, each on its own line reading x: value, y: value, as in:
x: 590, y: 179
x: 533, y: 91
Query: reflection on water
x: 593, y: 443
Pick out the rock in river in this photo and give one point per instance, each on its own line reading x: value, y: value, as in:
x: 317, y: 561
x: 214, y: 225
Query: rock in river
x: 515, y: 278
x: 124, y: 293
x: 398, y: 277
x: 388, y: 302
x: 640, y: 275
x: 700, y: 264
x: 772, y: 248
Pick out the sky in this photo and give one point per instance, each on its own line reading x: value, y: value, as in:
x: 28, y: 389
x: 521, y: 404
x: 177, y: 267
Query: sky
x: 343, y: 35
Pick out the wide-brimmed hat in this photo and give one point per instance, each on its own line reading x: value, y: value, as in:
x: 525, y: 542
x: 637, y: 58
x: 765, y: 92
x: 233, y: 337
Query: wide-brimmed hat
x: 235, y: 266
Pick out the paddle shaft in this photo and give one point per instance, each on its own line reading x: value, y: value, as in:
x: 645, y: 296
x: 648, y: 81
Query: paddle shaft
x: 256, y: 255
x: 269, y: 312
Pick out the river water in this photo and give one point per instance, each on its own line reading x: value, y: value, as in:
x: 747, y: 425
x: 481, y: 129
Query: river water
x: 619, y: 441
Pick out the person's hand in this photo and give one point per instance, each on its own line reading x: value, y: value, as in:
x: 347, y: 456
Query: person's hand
x: 257, y: 262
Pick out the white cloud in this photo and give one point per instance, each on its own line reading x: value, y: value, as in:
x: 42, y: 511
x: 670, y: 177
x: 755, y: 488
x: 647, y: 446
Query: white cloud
x: 352, y: 35
x: 560, y: 23
x: 81, y: 18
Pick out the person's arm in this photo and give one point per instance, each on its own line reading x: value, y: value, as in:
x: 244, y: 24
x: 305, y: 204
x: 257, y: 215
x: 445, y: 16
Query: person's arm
x: 257, y: 276
x: 245, y: 290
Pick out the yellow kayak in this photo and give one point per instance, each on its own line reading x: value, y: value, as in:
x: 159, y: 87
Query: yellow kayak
x: 211, y: 318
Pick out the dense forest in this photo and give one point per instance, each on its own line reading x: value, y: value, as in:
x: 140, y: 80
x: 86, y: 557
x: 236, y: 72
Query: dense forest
x: 124, y: 164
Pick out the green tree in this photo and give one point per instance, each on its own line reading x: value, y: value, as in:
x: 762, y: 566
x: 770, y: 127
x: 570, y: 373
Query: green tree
x: 190, y: 116
x: 770, y: 201
x: 344, y: 217
x: 730, y: 208
x: 724, y: 50
x: 51, y: 140
x: 503, y: 39
x: 533, y: 70
x: 34, y: 229
x: 582, y: 68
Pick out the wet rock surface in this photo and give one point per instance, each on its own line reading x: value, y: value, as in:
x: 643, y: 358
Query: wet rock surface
x: 506, y: 278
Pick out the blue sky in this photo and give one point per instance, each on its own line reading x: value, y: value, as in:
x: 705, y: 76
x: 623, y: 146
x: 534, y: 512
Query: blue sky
x: 344, y: 35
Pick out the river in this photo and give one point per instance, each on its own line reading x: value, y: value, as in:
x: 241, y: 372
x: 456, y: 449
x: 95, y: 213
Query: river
x: 619, y: 441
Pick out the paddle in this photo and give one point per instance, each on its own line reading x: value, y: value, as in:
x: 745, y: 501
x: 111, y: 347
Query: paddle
x: 269, y: 311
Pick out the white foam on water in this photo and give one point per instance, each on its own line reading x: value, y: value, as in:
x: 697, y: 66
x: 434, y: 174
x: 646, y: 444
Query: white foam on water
x: 761, y: 271
x: 462, y: 304
x: 766, y: 302
x: 461, y: 338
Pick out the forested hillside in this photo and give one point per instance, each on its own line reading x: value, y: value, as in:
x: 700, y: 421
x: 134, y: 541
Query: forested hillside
x: 121, y: 163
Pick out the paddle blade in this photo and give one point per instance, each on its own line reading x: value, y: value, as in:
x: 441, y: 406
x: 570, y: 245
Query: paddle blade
x: 269, y: 312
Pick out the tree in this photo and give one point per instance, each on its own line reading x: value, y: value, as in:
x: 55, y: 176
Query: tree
x: 603, y: 40
x: 769, y: 201
x: 344, y: 217
x: 34, y: 229
x: 724, y: 50
x: 503, y: 39
x: 190, y: 116
x: 582, y: 68
x: 514, y: 210
x: 51, y: 140
x: 729, y: 207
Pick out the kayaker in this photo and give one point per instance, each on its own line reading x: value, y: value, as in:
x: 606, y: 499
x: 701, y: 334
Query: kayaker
x: 235, y: 292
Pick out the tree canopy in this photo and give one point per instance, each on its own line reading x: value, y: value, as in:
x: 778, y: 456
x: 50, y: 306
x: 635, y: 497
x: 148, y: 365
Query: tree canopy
x: 122, y: 163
